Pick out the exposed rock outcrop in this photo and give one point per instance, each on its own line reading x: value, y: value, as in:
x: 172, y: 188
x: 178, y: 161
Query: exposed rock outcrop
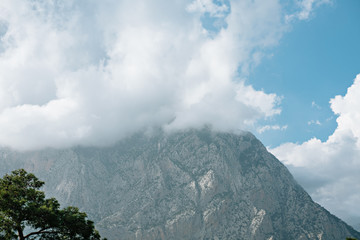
x: 196, y: 184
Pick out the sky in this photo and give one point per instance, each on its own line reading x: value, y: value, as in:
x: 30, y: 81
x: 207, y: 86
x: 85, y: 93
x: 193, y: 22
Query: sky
x: 93, y: 72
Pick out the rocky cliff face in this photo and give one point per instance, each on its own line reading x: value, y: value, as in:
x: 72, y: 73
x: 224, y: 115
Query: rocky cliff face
x: 196, y: 184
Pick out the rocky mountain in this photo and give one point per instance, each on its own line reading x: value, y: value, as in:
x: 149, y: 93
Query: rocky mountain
x: 195, y: 184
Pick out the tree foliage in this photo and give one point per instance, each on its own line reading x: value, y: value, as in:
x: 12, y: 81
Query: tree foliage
x: 25, y: 213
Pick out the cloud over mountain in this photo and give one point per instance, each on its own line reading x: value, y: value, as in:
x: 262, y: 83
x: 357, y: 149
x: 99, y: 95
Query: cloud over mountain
x: 89, y: 72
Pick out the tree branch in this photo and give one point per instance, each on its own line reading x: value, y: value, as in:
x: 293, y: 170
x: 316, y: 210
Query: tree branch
x: 20, y: 232
x: 41, y: 231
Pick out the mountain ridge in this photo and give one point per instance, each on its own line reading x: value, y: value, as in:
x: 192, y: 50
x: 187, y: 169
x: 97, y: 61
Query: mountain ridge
x: 194, y: 184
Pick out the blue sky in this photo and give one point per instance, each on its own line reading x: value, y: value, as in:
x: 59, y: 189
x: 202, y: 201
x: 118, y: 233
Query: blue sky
x: 315, y: 61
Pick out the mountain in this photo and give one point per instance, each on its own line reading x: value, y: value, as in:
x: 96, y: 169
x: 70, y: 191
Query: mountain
x: 194, y: 184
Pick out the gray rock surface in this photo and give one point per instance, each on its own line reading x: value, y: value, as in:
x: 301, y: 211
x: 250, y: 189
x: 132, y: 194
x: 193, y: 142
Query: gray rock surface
x: 195, y: 184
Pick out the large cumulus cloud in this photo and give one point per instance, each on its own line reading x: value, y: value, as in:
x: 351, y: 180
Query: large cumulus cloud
x: 91, y: 72
x: 330, y: 170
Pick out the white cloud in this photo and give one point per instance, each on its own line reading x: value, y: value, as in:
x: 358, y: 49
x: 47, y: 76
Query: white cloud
x: 90, y: 72
x: 271, y: 127
x: 314, y: 122
x: 315, y: 105
x: 333, y: 166
x: 306, y: 8
x: 218, y: 9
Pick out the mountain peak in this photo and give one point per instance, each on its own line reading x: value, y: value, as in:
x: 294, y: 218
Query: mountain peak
x: 193, y: 184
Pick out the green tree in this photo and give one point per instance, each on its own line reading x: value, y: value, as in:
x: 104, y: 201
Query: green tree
x: 25, y: 213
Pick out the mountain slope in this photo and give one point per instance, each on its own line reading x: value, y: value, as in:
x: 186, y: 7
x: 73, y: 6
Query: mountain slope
x: 195, y: 184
